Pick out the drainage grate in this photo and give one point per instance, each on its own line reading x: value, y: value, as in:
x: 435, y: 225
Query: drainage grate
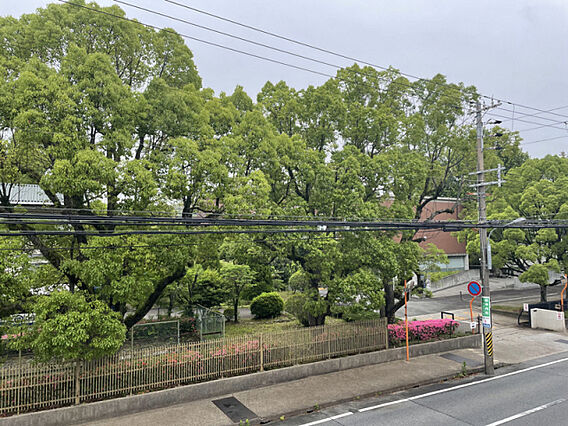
x: 461, y: 359
x: 234, y: 409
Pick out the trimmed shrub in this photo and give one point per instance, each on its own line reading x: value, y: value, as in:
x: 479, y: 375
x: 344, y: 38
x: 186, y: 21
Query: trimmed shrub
x: 296, y: 305
x: 267, y: 305
x: 229, y: 314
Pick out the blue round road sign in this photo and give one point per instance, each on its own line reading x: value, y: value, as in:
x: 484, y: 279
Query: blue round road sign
x: 474, y: 288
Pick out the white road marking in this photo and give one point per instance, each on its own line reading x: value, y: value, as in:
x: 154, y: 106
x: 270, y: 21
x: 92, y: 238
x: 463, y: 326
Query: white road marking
x: 526, y: 413
x: 465, y: 385
x: 327, y: 419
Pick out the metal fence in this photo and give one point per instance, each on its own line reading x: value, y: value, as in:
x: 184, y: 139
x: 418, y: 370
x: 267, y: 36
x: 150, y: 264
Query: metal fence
x: 27, y: 386
x: 210, y: 324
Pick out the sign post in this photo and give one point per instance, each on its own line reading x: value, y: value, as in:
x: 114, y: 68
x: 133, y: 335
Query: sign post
x: 406, y: 319
x: 475, y: 290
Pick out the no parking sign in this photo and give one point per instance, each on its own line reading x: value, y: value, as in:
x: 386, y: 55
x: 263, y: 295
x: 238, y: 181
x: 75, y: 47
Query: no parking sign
x: 474, y: 288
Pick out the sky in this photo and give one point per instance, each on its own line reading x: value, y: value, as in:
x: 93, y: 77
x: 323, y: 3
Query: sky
x: 514, y: 50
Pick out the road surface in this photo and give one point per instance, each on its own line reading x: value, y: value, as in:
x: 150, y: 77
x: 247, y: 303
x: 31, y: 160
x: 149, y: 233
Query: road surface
x: 534, y: 393
x: 436, y: 304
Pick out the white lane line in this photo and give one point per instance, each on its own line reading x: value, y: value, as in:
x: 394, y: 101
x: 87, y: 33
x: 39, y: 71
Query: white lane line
x: 465, y: 385
x: 526, y: 413
x: 327, y: 419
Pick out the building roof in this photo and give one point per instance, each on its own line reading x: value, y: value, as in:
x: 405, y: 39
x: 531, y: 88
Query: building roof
x: 443, y: 240
x: 29, y: 194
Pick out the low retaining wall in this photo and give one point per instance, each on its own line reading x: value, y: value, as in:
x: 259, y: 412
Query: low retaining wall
x: 159, y: 399
x: 454, y: 280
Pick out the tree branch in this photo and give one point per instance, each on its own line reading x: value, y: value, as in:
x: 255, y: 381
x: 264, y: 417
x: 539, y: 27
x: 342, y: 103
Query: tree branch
x: 132, y: 319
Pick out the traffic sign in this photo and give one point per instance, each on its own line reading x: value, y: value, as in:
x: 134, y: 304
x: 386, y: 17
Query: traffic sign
x: 474, y: 288
x: 486, y: 311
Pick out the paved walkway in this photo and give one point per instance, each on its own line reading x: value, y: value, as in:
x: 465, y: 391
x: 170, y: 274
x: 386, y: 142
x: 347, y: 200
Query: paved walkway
x: 512, y: 345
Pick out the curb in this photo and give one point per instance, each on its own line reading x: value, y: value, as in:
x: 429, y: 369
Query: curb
x: 308, y: 410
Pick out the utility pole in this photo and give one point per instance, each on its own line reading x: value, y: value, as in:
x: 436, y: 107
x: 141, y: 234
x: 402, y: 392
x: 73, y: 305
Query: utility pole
x: 486, y: 293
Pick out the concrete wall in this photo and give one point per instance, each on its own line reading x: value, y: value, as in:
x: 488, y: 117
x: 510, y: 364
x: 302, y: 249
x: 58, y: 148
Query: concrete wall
x: 547, y: 320
x: 455, y: 279
x: 131, y: 404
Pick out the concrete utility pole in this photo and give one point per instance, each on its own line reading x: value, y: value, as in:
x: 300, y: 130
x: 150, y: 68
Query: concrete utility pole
x: 486, y: 293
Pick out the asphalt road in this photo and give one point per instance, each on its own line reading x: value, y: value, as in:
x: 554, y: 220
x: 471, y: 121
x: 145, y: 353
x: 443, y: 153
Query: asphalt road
x: 437, y: 304
x: 534, y: 393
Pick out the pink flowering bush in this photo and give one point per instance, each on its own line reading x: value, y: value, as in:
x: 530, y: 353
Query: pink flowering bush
x: 421, y: 331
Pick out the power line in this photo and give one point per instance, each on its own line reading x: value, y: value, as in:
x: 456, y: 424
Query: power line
x: 543, y: 140
x: 533, y: 115
x: 198, y: 232
x: 556, y: 121
x: 537, y: 127
x: 226, y: 34
x: 259, y: 56
x: 527, y: 121
x: 210, y: 43
x: 250, y: 41
x: 336, y: 66
x: 443, y: 225
x: 337, y: 54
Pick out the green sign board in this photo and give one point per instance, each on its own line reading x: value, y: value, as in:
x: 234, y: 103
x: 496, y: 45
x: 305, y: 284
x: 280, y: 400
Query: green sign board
x: 485, y: 306
x: 486, y: 311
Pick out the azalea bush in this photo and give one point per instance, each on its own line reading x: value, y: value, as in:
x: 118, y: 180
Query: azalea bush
x: 421, y: 331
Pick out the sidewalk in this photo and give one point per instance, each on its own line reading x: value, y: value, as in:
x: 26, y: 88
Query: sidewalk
x: 512, y: 345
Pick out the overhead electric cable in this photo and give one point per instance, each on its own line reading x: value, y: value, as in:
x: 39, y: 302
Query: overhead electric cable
x: 554, y: 120
x: 337, y: 54
x: 493, y: 114
x: 210, y: 43
x: 288, y: 52
x: 543, y: 140
x: 236, y: 37
x: 301, y: 68
x: 536, y: 114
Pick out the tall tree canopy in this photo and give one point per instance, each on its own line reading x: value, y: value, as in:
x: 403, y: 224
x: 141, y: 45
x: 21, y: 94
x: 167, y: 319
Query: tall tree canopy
x: 110, y: 118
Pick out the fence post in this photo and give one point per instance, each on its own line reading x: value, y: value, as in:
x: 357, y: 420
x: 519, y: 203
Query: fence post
x: 131, y: 359
x: 328, y: 344
x: 77, y: 382
x: 19, y: 400
x: 261, y: 349
x: 178, y: 330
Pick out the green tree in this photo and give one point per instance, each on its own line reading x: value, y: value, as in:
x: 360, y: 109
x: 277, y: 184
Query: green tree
x: 200, y: 287
x: 69, y: 327
x: 94, y: 106
x: 236, y: 278
x: 535, y: 190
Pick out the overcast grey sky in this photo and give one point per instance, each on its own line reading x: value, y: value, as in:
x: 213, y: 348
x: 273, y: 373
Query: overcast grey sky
x: 515, y: 50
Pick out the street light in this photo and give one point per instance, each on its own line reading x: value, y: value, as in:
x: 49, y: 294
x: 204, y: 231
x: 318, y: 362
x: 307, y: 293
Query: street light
x: 489, y: 262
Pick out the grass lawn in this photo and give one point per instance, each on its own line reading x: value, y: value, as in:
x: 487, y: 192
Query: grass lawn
x: 284, y: 322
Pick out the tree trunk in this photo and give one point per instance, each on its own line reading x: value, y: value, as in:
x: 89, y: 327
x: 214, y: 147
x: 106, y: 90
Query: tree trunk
x: 316, y: 320
x: 171, y: 304
x: 543, y: 293
x: 389, y: 302
x: 236, y: 309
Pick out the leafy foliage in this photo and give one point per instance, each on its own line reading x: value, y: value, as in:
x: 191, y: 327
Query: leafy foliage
x: 110, y: 118
x: 535, y: 190
x: 69, y: 327
x: 267, y: 305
